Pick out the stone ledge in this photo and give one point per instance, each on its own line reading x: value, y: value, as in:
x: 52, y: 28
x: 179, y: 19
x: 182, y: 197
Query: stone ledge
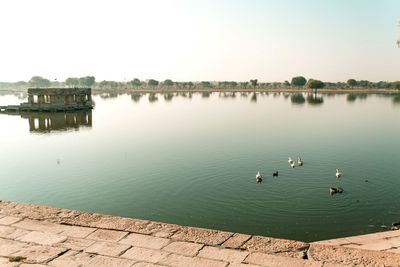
x: 352, y: 256
x: 167, y: 243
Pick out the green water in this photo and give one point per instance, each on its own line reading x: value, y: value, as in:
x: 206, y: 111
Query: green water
x: 193, y: 160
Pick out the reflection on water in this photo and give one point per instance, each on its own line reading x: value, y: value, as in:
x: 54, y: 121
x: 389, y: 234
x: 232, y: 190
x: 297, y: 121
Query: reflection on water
x: 168, y: 97
x: 396, y: 99
x: 351, y: 97
x: 193, y: 162
x: 254, y: 98
x: 297, y: 99
x: 136, y: 97
x: 153, y: 98
x: 47, y: 122
x: 314, y: 99
x: 205, y: 95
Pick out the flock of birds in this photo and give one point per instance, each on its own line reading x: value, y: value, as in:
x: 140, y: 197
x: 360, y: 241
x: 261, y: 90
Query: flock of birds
x: 300, y: 162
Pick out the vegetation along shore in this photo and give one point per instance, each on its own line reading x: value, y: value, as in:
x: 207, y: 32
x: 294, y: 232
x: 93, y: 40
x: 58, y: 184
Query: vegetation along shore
x: 297, y: 84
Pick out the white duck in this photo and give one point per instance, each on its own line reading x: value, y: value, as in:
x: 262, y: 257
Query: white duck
x: 258, y: 177
x: 338, y: 174
x: 299, y: 161
x: 290, y: 161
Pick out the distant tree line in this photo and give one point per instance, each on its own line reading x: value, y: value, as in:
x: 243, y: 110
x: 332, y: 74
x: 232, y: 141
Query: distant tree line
x: 298, y: 82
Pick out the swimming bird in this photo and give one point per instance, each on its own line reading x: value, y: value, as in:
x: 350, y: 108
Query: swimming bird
x: 334, y: 190
x: 290, y: 161
x: 275, y: 173
x: 338, y: 174
x: 299, y: 161
x: 258, y: 177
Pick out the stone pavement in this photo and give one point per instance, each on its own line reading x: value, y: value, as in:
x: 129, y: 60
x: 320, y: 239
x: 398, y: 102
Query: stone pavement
x: 32, y: 235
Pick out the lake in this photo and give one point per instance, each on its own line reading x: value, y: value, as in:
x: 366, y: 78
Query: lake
x: 192, y: 160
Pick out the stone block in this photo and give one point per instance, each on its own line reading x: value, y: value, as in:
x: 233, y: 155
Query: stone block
x: 103, y: 261
x: 351, y: 256
x: 72, y: 259
x: 236, y: 241
x: 161, y: 229
x: 145, y: 254
x: 235, y: 264
x: 7, y: 220
x: 8, y: 247
x: 76, y: 243
x: 183, y: 248
x: 146, y: 264
x: 5, y: 262
x: 139, y: 240
x: 32, y: 265
x: 35, y: 211
x: 223, y: 254
x: 203, y: 236
x: 42, y: 238
x: 38, y: 254
x: 107, y: 248
x: 183, y: 261
x: 107, y: 235
x: 42, y: 226
x: 295, y: 249
x: 77, y: 231
x: 11, y: 232
x: 279, y: 261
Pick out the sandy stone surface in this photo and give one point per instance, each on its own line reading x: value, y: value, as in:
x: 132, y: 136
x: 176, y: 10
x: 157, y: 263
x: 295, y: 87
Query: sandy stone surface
x: 32, y: 235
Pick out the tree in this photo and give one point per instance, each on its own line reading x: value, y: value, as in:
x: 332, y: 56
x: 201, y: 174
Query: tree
x: 206, y: 84
x: 168, y: 83
x: 363, y: 83
x: 299, y: 81
x: 351, y: 83
x: 254, y: 83
x: 244, y: 85
x: 87, y: 81
x: 136, y: 82
x: 72, y: 82
x: 315, y: 84
x: 286, y: 83
x: 396, y: 85
x: 38, y: 81
x: 152, y: 83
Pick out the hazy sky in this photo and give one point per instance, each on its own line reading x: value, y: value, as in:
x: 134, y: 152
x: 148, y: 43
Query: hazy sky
x: 271, y: 40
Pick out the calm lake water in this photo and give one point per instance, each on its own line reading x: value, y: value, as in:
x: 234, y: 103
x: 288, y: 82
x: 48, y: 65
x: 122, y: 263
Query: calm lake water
x: 192, y: 160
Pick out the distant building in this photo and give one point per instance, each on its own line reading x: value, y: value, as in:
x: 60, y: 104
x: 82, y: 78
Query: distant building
x: 55, y: 99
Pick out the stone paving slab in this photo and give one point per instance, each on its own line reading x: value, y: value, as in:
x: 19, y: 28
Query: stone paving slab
x: 352, y: 256
x: 11, y: 232
x: 145, y: 254
x: 283, y: 247
x: 107, y: 248
x: 57, y: 237
x: 7, y: 220
x: 184, y: 248
x: 42, y: 238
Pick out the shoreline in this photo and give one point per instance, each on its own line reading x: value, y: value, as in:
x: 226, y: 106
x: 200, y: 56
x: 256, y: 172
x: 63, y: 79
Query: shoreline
x: 230, y: 90
x: 49, y: 236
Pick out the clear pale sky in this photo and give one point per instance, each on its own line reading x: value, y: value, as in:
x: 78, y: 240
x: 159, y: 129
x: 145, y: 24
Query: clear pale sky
x: 272, y: 40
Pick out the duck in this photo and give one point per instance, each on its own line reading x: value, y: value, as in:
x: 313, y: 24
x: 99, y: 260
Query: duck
x: 275, y: 173
x: 299, y: 161
x: 338, y: 174
x: 334, y: 190
x: 290, y: 161
x: 292, y: 165
x: 258, y: 177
